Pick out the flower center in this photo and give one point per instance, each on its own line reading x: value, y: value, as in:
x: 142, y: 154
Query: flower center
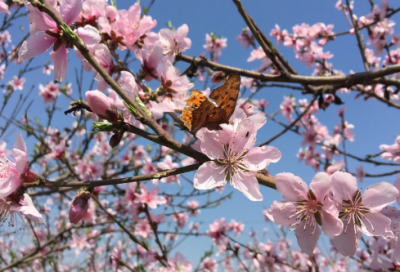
x: 307, y: 211
x: 233, y: 161
x: 353, y: 211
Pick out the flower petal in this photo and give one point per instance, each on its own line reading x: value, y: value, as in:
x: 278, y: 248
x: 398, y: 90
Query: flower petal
x: 376, y: 224
x: 307, y: 237
x: 60, y: 60
x: 70, y: 9
x: 208, y: 176
x: 260, y: 157
x: 210, y: 143
x: 331, y: 225
x: 248, y: 185
x: 379, y: 195
x: 9, y: 185
x: 89, y: 35
x: 281, y: 213
x: 346, y: 243
x: 344, y: 185
x: 320, y: 185
x: 292, y: 188
x: 29, y: 210
x: 245, y: 135
x: 37, y: 44
x: 21, y: 158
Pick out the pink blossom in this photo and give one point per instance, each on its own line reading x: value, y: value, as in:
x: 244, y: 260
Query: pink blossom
x: 49, y: 92
x: 103, y: 56
x: 233, y: 157
x: 360, y: 174
x: 174, y: 85
x: 150, y: 57
x: 79, y: 207
x: 148, y: 166
x: 246, y: 38
x: 209, y: 265
x: 4, y: 7
x: 168, y: 164
x: 287, y: 107
x: 128, y: 25
x: 128, y: 83
x: 100, y: 104
x: 193, y: 205
x: 180, y: 218
x: 151, y: 198
x: 47, y: 69
x: 178, y: 263
x: 17, y: 83
x: 214, y: 45
x: 237, y: 227
x: 116, y: 254
x: 306, y: 209
x: 14, y: 171
x: 45, y: 32
x: 2, y: 69
x: 360, y: 213
x: 143, y: 229
x: 79, y: 243
x: 88, y: 169
x: 278, y: 34
x: 93, y: 9
x: 13, y: 205
x: 5, y: 38
x: 174, y: 42
x: 334, y: 166
x: 391, y: 152
x: 217, y: 232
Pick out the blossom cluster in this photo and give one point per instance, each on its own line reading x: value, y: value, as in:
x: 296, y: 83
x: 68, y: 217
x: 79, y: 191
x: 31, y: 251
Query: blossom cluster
x: 335, y: 204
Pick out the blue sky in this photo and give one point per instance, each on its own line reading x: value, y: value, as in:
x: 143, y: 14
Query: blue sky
x: 374, y: 122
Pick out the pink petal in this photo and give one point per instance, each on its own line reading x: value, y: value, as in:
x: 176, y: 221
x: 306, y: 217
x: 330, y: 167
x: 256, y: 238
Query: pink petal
x: 20, y: 143
x: 346, y: 243
x: 208, y: 176
x: 248, y: 185
x: 376, y: 224
x: 210, y: 143
x: 292, y: 188
x: 39, y: 20
x: 37, y: 44
x: 344, y: 185
x: 320, y: 184
x: 70, y: 9
x: 260, y: 157
x: 331, y: 225
x: 29, y: 210
x: 307, y: 237
x: 379, y: 195
x: 89, y: 35
x: 60, y: 60
x: 258, y: 119
x: 21, y: 158
x: 245, y: 135
x: 9, y: 185
x: 281, y: 213
x: 396, y: 252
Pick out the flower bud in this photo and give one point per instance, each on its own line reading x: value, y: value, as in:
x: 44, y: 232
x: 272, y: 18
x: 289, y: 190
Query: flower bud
x: 101, y: 105
x: 79, y: 206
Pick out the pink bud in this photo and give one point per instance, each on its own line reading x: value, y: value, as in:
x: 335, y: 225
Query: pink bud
x: 101, y: 105
x: 79, y: 207
x: 329, y: 98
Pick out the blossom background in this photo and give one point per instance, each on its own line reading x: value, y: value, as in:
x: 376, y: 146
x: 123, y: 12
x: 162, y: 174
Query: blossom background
x: 375, y: 123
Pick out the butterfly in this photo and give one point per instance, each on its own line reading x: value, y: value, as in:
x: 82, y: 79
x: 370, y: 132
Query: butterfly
x: 202, y: 112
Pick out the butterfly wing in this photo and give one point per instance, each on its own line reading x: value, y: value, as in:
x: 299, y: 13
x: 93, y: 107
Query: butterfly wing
x: 226, y: 96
